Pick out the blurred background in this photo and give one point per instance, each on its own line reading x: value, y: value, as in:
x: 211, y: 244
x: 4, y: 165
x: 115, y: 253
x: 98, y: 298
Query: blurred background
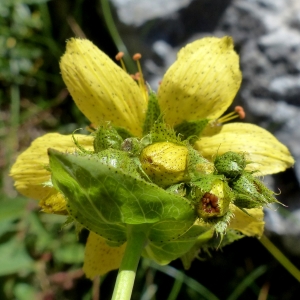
x: 41, y: 260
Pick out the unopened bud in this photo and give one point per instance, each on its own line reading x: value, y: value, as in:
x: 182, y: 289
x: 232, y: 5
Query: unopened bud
x: 165, y: 163
x: 132, y: 145
x: 250, y: 192
x: 230, y: 164
x: 107, y: 138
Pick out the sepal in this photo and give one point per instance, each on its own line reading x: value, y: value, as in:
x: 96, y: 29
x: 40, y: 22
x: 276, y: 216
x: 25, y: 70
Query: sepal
x: 191, y: 130
x: 152, y: 114
x: 106, y: 138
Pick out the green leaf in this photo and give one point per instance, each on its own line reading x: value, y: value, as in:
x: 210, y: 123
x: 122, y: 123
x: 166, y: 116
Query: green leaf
x: 206, y: 234
x: 70, y: 254
x: 12, y: 209
x: 165, y: 251
x: 14, y: 258
x: 24, y: 291
x: 105, y: 199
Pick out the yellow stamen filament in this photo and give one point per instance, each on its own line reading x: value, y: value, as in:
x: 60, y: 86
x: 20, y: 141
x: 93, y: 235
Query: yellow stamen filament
x: 139, y: 76
x: 119, y: 57
x: 237, y: 113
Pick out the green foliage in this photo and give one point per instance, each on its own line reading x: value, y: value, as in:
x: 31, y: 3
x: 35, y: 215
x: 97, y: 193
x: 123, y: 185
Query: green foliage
x: 106, y: 199
x: 33, y: 248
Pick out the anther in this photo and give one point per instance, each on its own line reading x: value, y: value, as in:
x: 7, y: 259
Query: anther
x: 137, y: 56
x: 119, y: 57
x: 240, y: 111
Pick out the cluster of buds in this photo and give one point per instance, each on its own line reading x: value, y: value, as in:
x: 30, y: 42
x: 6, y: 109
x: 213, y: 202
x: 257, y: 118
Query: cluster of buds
x: 248, y: 190
x: 175, y: 166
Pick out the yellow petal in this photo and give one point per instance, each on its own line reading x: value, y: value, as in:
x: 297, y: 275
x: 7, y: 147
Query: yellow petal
x: 101, y: 89
x: 202, y: 82
x: 99, y: 257
x: 266, y: 154
x: 249, y: 225
x: 29, y: 170
x: 54, y: 204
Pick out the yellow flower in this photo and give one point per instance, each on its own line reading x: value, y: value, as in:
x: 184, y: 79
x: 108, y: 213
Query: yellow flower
x: 202, y: 83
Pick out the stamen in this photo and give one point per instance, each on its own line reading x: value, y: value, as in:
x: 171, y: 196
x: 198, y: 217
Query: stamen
x: 119, y: 57
x: 237, y: 113
x: 139, y: 76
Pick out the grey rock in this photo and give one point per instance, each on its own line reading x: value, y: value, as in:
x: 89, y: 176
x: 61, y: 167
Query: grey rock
x: 286, y: 88
x: 137, y: 12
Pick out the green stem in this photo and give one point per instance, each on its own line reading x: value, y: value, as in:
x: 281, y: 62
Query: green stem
x: 286, y: 263
x: 112, y: 28
x: 125, y: 279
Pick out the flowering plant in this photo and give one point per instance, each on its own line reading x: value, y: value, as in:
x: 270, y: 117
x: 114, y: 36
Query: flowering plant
x: 161, y: 175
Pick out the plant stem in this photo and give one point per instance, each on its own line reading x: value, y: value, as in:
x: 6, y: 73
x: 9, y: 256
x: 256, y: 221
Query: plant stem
x: 285, y: 262
x: 125, y: 279
x: 112, y: 28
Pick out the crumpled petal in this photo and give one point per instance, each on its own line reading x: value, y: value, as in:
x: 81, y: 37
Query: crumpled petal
x: 249, y: 225
x: 100, y: 88
x: 30, y: 173
x: 202, y: 82
x: 54, y: 203
x: 100, y: 258
x: 266, y: 154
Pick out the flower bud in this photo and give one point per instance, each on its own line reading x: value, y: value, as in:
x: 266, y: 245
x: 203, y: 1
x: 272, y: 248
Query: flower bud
x: 132, y: 145
x: 213, y: 197
x: 250, y: 192
x: 119, y: 160
x: 230, y: 164
x: 107, y: 138
x: 165, y: 163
